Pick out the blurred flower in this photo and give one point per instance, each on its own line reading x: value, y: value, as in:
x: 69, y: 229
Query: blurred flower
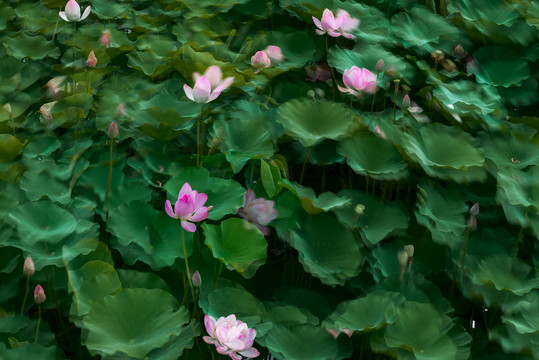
x: 379, y: 132
x: 215, y: 77
x: 318, y: 72
x: 260, y: 60
x: 230, y: 336
x: 459, y: 52
x: 105, y: 38
x: 113, y: 130
x: 72, y: 12
x: 259, y: 211
x: 120, y: 110
x: 410, y: 251
x: 449, y: 65
x: 196, y: 279
x: 337, y: 332
x: 472, y: 223
x: 39, y: 295
x: 343, y: 24
x: 380, y: 66
x: 358, y: 80
x: 274, y: 53
x: 406, y: 101
x: 188, y: 207
x: 359, y: 209
x: 349, y: 24
x: 45, y: 111
x: 202, y: 92
x: 7, y: 107
x: 92, y: 60
x: 54, y: 85
x: 28, y: 268
x: 474, y: 210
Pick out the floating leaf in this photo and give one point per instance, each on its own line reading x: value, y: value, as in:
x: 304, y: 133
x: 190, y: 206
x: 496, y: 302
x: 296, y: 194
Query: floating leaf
x: 29, y: 351
x: 467, y: 97
x: 521, y: 187
x: 313, y: 204
x: 10, y: 148
x: 36, y: 47
x: 500, y: 66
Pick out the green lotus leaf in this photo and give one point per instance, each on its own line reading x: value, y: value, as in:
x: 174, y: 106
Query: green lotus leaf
x: 384, y: 260
x: 383, y: 164
x: 367, y: 56
x: 532, y: 14
x: 521, y: 187
x: 499, y: 12
x: 291, y: 315
x: 10, y: 148
x: 506, y: 274
x: 378, y: 219
x: 11, y: 323
x: 36, y: 47
x: 374, y: 27
x: 134, y: 322
x: 72, y: 109
x: 129, y: 191
x: 423, y: 29
x: 38, y: 182
x: 301, y: 342
x: 145, y: 234
x: 510, y: 152
x: 467, y: 97
x: 326, y: 249
x: 311, y: 203
x: 446, y: 152
x: 310, y: 122
x: 370, y: 312
x: 148, y: 62
x: 426, y: 333
x: 297, y: 48
x: 270, y: 176
x: 132, y: 279
x: 442, y: 212
x: 89, y: 284
x: 500, y: 66
x: 208, y: 8
x: 96, y: 179
x: 524, y: 316
x: 523, y: 95
x: 238, y: 244
x: 29, y: 351
x: 42, y: 145
x: 226, y: 196
x: 8, y: 202
x: 513, y: 342
x: 107, y: 10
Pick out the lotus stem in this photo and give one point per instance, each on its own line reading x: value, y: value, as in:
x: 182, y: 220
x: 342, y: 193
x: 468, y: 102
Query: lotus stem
x: 198, y: 141
x: 331, y: 67
x: 38, y: 322
x: 74, y: 32
x: 374, y: 95
x: 26, y: 293
x: 462, y: 264
x: 187, y: 269
x: 109, y: 180
x: 304, y: 166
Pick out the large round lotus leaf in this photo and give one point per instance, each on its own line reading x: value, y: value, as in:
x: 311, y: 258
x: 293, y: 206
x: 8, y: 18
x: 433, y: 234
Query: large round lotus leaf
x: 521, y: 187
x: 500, y: 66
x: 500, y: 12
x: 145, y: 234
x: 313, y: 204
x: 129, y: 191
x: 367, y: 56
x: 442, y: 212
x: 10, y: 148
x: 42, y: 221
x: 40, y: 181
x: 523, y: 95
x: 506, y: 274
x: 301, y: 342
x: 446, y: 152
x: 423, y: 29
x: 327, y: 250
x: 238, y: 244
x: 148, y: 62
x: 510, y: 152
x: 43, y: 146
x: 383, y: 164
x: 107, y: 10
x: 133, y: 322
x: 430, y: 335
x: 96, y: 178
x: 208, y: 8
x: 378, y: 220
x: 91, y: 283
x: 136, y: 279
x: 226, y: 196
x: 513, y: 342
x: 310, y: 122
x: 23, y: 46
x: 297, y: 48
x: 291, y: 315
x: 370, y: 312
x: 466, y: 97
x: 524, y: 316
x: 29, y: 351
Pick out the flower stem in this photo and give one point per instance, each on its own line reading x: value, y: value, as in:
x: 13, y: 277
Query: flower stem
x: 74, y: 32
x: 109, y: 180
x: 38, y: 322
x: 374, y: 95
x: 304, y: 166
x: 187, y: 269
x: 25, y: 294
x: 198, y: 141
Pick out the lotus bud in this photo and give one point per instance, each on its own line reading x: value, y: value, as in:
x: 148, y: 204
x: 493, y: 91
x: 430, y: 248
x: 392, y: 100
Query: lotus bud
x: 410, y: 251
x: 260, y: 60
x: 274, y: 53
x: 120, y: 110
x: 402, y: 255
x: 449, y: 66
x: 54, y: 85
x: 105, y: 38
x: 92, y: 60
x: 438, y: 56
x: 472, y: 223
x: 474, y: 210
x: 406, y: 102
x: 397, y: 83
x: 311, y: 94
x: 359, y: 209
x: 7, y: 107
x: 320, y: 93
x: 380, y: 66
x: 113, y: 130
x: 28, y: 268
x: 197, y: 279
x: 39, y: 295
x: 459, y: 52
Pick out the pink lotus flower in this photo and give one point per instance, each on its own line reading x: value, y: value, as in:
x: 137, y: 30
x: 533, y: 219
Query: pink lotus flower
x: 358, y: 80
x: 274, y: 53
x: 231, y: 337
x: 188, y: 207
x: 259, y: 211
x: 318, y: 72
x: 92, y: 60
x: 196, y: 279
x: 379, y: 132
x: 72, y: 12
x: 260, y: 60
x: 28, y: 268
x: 113, y: 130
x: 343, y: 24
x: 105, y: 38
x: 215, y: 77
x: 39, y: 295
x: 202, y: 92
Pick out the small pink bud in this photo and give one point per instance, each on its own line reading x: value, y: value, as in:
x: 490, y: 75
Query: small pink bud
x: 406, y: 102
x: 379, y: 132
x: 105, y: 38
x: 260, y: 60
x: 274, y: 53
x: 459, y: 52
x: 39, y: 295
x: 380, y: 66
x: 197, y: 279
x: 472, y: 223
x: 28, y: 268
x: 474, y: 210
x: 113, y: 130
x: 92, y: 60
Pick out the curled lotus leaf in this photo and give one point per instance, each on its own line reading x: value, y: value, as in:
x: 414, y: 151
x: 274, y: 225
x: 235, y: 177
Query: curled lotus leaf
x: 500, y: 66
